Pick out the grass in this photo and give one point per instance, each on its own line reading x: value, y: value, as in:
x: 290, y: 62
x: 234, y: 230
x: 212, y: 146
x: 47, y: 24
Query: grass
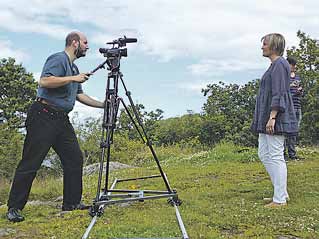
x: 221, y: 189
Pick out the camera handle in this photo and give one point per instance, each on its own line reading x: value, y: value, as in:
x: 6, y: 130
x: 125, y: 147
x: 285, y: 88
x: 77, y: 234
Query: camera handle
x: 101, y: 66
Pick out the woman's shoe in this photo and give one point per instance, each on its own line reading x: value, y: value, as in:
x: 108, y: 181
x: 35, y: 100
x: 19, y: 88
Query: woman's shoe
x: 268, y: 200
x: 275, y: 205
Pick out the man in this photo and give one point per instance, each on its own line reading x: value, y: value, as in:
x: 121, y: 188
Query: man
x: 274, y: 116
x: 48, y: 126
x: 296, y: 93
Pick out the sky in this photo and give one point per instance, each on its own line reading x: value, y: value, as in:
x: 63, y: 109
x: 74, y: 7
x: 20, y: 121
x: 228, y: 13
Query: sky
x: 182, y: 45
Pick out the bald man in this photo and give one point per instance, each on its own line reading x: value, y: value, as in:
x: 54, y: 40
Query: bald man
x: 48, y: 125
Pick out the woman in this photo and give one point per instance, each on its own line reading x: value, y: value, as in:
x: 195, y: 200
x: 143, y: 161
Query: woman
x: 274, y: 116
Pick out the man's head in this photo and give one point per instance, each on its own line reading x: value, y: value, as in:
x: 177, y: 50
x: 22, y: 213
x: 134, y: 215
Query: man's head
x: 77, y: 42
x: 273, y: 44
x: 292, y: 62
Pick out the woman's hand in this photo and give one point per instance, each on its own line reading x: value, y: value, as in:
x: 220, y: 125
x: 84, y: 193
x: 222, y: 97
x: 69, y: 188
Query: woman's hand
x: 270, y: 126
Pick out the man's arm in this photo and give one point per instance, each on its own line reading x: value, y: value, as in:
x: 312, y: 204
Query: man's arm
x: 56, y: 81
x: 87, y: 100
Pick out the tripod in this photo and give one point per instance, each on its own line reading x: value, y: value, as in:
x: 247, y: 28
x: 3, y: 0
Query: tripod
x: 109, y: 195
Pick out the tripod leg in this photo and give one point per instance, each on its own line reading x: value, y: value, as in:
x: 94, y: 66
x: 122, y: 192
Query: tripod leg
x: 148, y: 142
x: 114, y: 107
x: 133, y: 121
x: 108, y: 125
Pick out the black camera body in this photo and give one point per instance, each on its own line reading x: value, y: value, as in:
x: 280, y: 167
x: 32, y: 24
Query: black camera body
x: 117, y: 49
x: 113, y: 52
x: 113, y: 55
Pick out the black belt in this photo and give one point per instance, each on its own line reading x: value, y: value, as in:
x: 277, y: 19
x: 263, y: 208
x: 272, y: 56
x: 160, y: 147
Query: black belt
x: 50, y: 109
x: 43, y: 101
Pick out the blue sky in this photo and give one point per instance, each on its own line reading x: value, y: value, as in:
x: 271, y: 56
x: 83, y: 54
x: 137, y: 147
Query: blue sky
x: 182, y: 45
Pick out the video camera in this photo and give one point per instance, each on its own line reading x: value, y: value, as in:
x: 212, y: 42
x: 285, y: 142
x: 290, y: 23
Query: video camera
x: 116, y: 50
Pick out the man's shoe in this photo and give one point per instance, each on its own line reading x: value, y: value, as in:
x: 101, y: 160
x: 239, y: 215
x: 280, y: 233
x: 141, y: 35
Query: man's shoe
x: 275, y: 205
x: 294, y: 158
x: 286, y: 158
x: 79, y: 206
x: 13, y: 215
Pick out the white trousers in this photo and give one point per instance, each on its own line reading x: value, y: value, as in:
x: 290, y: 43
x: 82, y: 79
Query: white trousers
x: 271, y: 153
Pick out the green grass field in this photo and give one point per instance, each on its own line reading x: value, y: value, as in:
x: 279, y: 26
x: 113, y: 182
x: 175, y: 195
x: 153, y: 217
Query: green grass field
x: 222, y: 192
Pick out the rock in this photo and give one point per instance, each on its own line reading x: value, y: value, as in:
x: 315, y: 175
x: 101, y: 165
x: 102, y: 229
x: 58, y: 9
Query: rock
x: 94, y: 168
x: 59, y: 199
x: 288, y: 237
x: 6, y: 232
x: 42, y: 203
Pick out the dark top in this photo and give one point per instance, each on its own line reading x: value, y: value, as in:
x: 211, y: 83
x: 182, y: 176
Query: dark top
x: 274, y: 94
x: 295, y: 93
x: 62, y: 97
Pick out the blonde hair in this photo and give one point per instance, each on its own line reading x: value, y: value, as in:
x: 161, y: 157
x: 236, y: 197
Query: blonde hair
x: 277, y: 43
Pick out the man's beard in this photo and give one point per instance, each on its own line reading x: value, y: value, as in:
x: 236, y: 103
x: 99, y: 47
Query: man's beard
x: 79, y: 53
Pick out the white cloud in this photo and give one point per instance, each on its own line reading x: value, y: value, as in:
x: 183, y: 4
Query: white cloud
x: 166, y: 28
x: 217, y: 67
x: 36, y: 76
x: 217, y: 35
x: 194, y: 87
x: 33, y: 17
x: 7, y: 50
x: 83, y: 112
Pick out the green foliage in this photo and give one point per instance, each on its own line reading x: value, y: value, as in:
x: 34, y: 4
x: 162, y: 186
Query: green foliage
x: 123, y: 148
x: 149, y: 121
x: 178, y: 129
x: 132, y: 152
x: 213, y: 129
x: 230, y: 108
x: 224, y: 151
x: 17, y: 91
x: 10, y: 150
x: 307, y: 55
x: 89, y: 134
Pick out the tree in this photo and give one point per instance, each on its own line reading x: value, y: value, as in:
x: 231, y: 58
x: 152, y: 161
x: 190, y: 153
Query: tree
x: 149, y: 121
x: 89, y: 132
x: 17, y: 91
x: 212, y: 129
x: 234, y: 106
x: 178, y: 129
x: 307, y: 55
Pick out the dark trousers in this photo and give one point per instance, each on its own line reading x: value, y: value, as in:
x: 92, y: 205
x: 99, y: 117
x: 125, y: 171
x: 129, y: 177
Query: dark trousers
x: 291, y: 141
x: 46, y: 128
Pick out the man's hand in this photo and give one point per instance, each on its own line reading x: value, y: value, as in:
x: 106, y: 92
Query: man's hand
x: 82, y: 77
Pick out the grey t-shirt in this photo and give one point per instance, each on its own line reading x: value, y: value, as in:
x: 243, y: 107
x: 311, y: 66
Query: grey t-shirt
x: 63, y: 97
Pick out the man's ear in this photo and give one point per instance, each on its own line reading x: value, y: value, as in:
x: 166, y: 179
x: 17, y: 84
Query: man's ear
x: 75, y: 43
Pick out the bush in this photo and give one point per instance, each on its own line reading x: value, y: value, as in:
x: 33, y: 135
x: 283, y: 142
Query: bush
x: 11, y: 142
